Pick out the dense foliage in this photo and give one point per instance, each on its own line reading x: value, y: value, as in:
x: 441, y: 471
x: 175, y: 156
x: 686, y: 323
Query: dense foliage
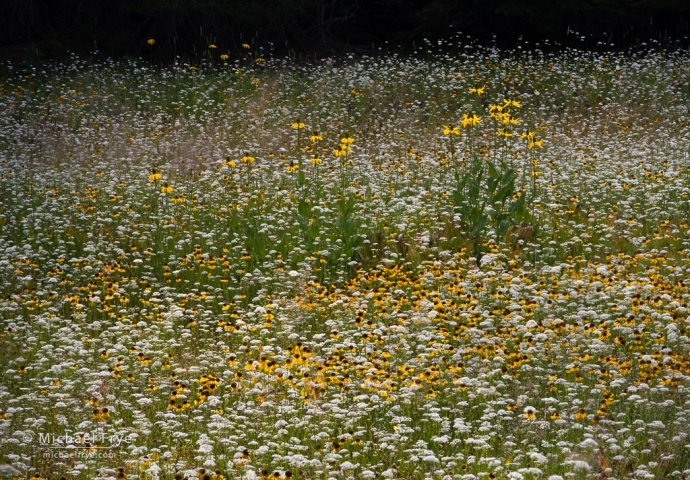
x: 47, y: 29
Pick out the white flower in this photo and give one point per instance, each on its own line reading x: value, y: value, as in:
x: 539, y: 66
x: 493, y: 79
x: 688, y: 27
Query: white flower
x: 579, y: 465
x: 153, y: 470
x: 205, y: 448
x: 10, y: 471
x: 588, y: 443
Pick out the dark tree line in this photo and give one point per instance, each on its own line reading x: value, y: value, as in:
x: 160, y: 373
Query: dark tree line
x: 50, y: 28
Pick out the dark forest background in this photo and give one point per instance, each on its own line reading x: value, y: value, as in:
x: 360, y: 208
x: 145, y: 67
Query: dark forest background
x: 48, y: 29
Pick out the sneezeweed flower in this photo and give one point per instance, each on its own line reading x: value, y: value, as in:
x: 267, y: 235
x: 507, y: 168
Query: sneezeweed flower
x: 451, y: 130
x: 246, y: 45
x: 224, y: 56
x: 534, y: 143
x: 151, y: 41
x: 315, y: 160
x: 468, y: 121
x: 479, y: 91
x: 212, y: 47
x: 298, y: 125
x: 340, y: 150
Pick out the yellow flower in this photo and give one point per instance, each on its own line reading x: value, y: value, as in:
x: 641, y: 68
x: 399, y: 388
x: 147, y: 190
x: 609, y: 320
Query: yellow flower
x: 451, y: 130
x: 315, y: 137
x: 166, y: 188
x: 314, y: 160
x: 225, y: 56
x: 533, y: 144
x: 479, y: 91
x: 154, y: 176
x: 246, y: 45
x: 298, y: 125
x: 247, y: 159
x: 212, y: 46
x: 151, y: 41
x: 347, y: 140
x: 469, y: 121
x: 292, y: 167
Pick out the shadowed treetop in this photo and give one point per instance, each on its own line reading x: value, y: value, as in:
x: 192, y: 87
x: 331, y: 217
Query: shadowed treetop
x: 48, y: 29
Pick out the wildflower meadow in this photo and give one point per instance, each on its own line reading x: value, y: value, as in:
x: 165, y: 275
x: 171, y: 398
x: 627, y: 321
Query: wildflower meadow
x: 461, y: 263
